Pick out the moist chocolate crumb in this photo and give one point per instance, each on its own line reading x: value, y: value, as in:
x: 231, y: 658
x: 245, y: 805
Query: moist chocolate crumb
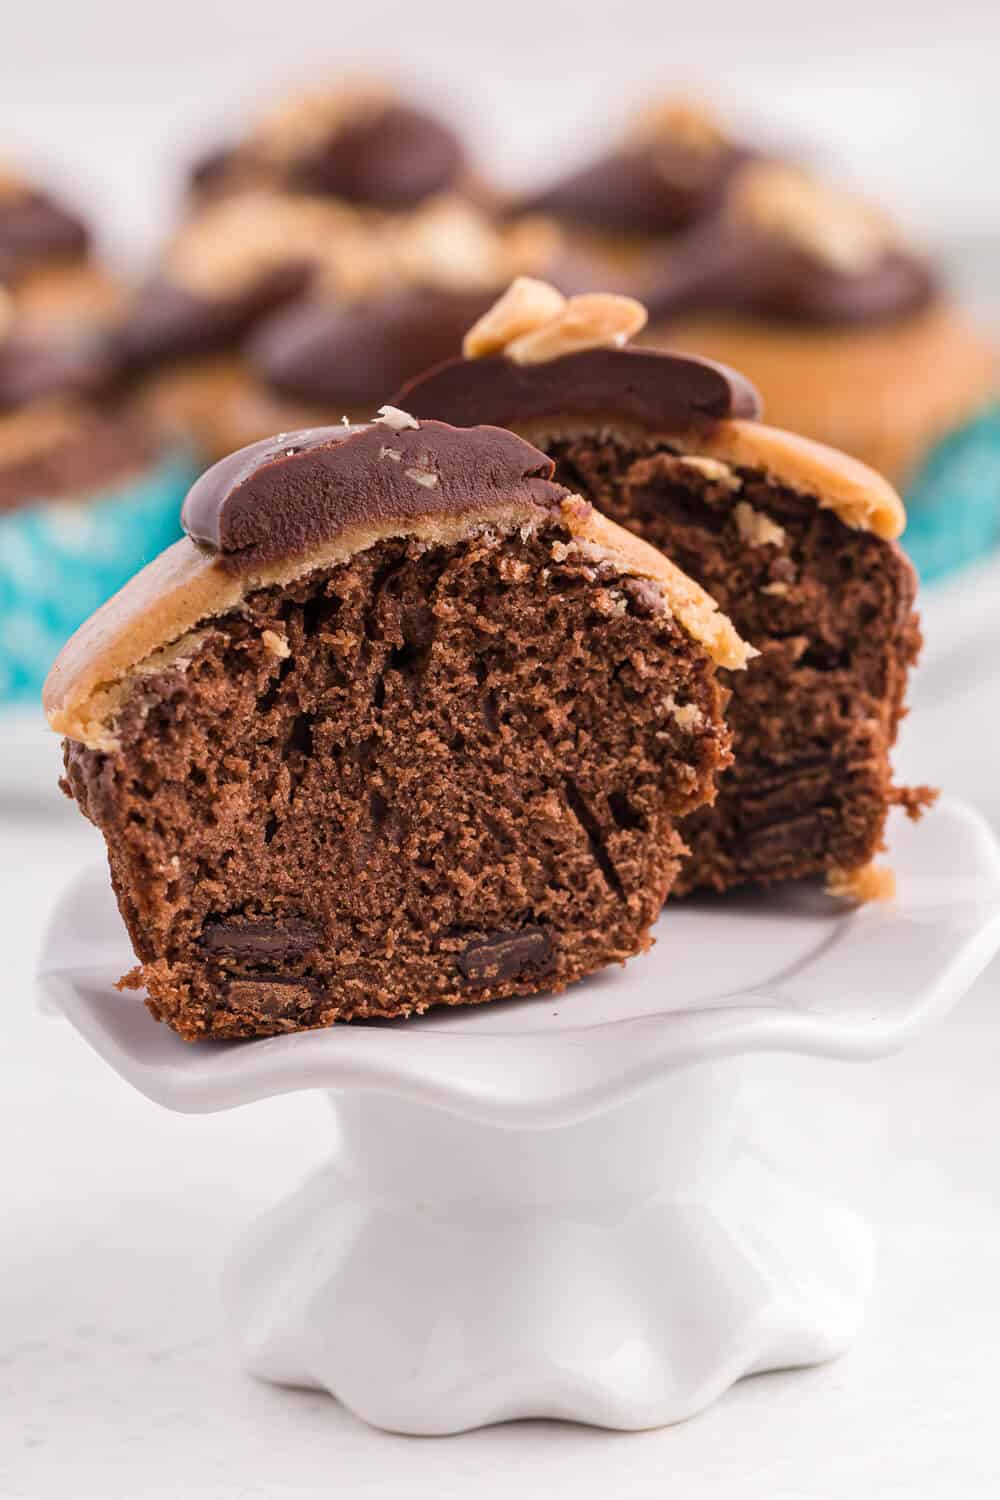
x: 815, y: 715
x: 461, y: 784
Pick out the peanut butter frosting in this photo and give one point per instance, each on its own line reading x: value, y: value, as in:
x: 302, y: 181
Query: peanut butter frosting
x: 284, y: 508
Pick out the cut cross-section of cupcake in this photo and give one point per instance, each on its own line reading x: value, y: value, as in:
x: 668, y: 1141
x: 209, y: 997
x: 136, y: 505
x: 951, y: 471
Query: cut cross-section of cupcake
x: 400, y: 722
x: 796, y: 542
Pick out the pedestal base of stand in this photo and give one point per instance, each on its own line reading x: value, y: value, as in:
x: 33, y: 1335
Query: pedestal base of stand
x: 544, y: 1209
x: 440, y: 1275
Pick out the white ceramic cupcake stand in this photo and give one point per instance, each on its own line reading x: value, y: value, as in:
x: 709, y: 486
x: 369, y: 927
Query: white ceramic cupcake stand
x: 548, y: 1208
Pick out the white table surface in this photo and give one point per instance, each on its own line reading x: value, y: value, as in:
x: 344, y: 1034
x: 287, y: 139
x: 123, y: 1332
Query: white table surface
x: 116, y: 1218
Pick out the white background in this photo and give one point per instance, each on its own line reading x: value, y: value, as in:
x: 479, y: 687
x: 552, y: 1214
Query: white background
x: 113, y: 93
x: 115, y: 1217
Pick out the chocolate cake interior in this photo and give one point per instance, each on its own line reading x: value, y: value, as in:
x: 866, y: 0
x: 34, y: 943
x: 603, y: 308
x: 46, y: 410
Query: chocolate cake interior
x: 831, y: 611
x: 440, y: 772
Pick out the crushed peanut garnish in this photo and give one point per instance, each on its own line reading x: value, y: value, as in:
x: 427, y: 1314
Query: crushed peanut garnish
x: 306, y: 119
x: 236, y: 242
x: 451, y: 244
x: 525, y: 305
x: 832, y: 226
x: 556, y: 325
x: 686, y: 122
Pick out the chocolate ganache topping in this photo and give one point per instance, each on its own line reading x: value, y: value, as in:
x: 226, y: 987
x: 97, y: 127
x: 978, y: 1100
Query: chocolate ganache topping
x: 393, y: 159
x: 356, y: 354
x: 168, y: 321
x: 361, y: 146
x: 280, y: 498
x: 720, y: 267
x: 664, y: 392
x: 733, y: 230
x: 645, y: 188
x: 670, y: 172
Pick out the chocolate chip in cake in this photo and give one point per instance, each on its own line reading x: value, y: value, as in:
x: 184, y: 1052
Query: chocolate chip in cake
x: 506, y: 955
x: 259, y: 937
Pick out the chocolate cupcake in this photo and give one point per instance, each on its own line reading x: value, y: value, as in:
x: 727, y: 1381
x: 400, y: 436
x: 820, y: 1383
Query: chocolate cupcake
x: 87, y: 494
x: 230, y: 266
x: 354, y: 140
x: 47, y: 264
x: 755, y: 262
x: 795, y: 283
x: 669, y: 173
x: 796, y: 542
x: 341, y: 350
x: 401, y: 723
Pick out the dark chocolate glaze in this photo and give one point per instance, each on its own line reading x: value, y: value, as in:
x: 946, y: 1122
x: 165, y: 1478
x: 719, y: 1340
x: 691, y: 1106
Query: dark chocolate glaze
x: 393, y: 159
x: 281, y: 497
x: 35, y: 229
x: 712, y: 266
x: 644, y: 189
x: 166, y: 321
x: 33, y: 367
x: 722, y: 268
x: 357, y: 354
x: 349, y: 356
x: 661, y: 391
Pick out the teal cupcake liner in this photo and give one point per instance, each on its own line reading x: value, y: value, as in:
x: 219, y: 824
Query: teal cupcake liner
x: 60, y: 559
x: 953, y: 506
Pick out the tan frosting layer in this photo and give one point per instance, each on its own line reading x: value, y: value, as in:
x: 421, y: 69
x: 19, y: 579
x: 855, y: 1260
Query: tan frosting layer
x: 862, y: 499
x: 185, y: 588
x: 947, y: 367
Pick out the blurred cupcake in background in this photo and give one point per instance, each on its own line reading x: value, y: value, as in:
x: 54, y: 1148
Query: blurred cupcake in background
x: 241, y: 257
x: 382, y: 305
x: 669, y: 173
x: 346, y: 226
x: 354, y: 139
x: 87, y: 493
x: 750, y: 259
x: 792, y: 281
x: 326, y: 195
x: 47, y: 262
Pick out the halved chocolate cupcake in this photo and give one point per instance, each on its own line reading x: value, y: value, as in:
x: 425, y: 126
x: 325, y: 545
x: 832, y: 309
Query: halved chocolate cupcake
x: 795, y: 541
x: 400, y: 723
